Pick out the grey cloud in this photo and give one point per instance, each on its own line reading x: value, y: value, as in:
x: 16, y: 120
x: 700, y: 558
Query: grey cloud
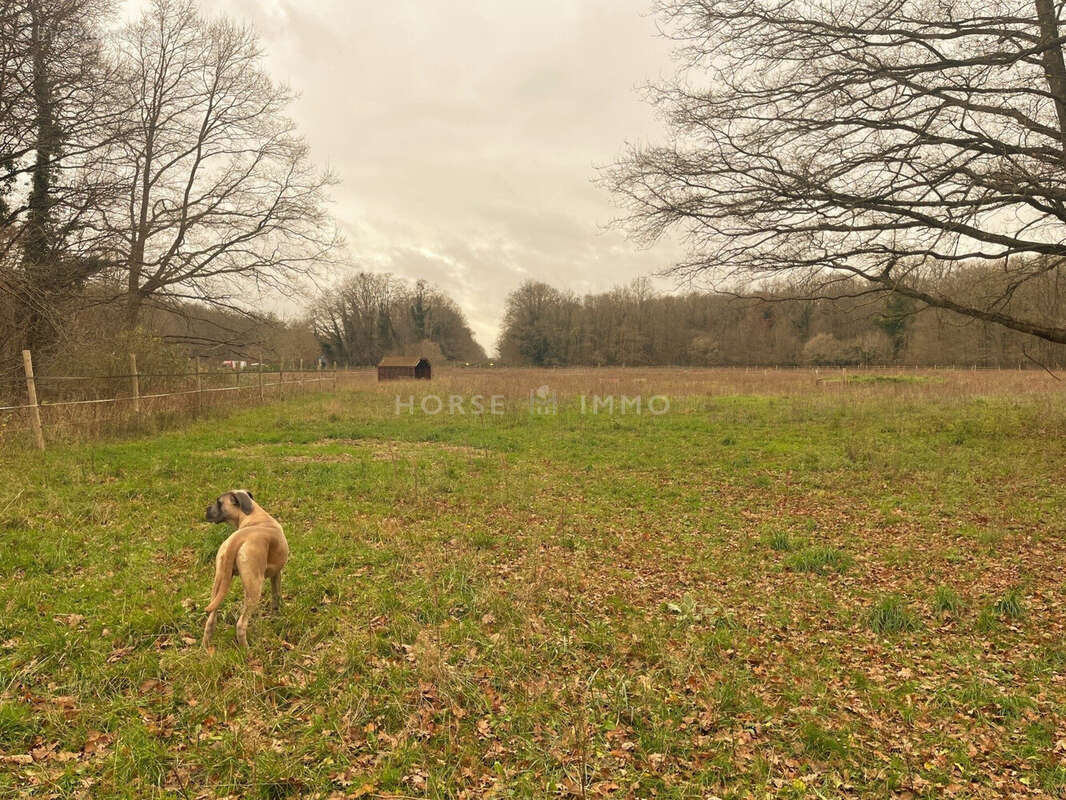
x: 466, y: 134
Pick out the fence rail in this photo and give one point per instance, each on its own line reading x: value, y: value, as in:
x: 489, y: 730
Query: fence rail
x: 41, y: 414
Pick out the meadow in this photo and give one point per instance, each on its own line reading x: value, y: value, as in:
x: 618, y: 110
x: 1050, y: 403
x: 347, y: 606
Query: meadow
x: 787, y: 585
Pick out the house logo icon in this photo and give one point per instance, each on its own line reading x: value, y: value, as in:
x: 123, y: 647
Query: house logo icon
x: 542, y: 400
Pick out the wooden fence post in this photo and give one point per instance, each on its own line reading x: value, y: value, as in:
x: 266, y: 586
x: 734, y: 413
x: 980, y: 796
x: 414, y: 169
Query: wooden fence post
x: 135, y: 384
x: 199, y: 389
x: 261, y: 395
x: 301, y: 373
x: 31, y: 390
x: 281, y: 378
x: 334, y: 376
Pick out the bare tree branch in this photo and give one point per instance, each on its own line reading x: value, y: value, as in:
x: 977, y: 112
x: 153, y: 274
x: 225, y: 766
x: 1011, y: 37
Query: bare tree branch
x: 221, y: 192
x: 903, y: 144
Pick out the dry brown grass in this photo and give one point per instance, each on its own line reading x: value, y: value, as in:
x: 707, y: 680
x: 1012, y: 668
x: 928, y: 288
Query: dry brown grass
x: 517, y: 383
x: 66, y: 416
x: 91, y: 421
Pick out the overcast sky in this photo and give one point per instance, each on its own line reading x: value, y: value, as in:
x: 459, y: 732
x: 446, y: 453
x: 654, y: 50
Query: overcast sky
x: 466, y: 133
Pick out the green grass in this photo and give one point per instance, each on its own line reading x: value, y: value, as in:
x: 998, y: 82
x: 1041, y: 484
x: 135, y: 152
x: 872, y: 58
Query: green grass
x: 710, y: 602
x: 780, y: 540
x: 822, y: 560
x: 1011, y: 605
x: 947, y: 601
x: 822, y: 744
x: 891, y: 615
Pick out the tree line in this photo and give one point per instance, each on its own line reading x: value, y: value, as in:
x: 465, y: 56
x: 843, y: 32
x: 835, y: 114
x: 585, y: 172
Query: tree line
x: 882, y: 184
x: 633, y: 325
x: 143, y: 167
x: 152, y: 184
x: 374, y: 314
x: 902, y: 147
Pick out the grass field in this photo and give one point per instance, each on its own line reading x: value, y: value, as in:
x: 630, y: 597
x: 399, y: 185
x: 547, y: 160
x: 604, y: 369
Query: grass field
x: 779, y: 588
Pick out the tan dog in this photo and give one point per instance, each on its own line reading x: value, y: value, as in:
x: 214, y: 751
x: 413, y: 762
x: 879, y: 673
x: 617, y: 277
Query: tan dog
x: 256, y: 550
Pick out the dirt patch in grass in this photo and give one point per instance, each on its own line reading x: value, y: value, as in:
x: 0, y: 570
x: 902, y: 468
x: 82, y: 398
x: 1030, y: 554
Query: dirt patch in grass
x: 347, y: 450
x: 393, y: 449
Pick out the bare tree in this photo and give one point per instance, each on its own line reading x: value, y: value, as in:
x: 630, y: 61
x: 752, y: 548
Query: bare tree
x: 353, y: 320
x: 58, y: 120
x: 374, y: 314
x: 901, y: 143
x: 222, y: 197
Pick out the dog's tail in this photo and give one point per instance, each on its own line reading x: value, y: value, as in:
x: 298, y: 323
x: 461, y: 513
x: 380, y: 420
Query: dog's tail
x: 223, y: 576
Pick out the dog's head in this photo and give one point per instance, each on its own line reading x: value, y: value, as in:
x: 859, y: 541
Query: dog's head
x: 230, y: 506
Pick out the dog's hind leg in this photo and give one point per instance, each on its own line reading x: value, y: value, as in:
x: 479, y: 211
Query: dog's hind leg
x: 253, y: 588
x: 209, y: 627
x: 275, y: 591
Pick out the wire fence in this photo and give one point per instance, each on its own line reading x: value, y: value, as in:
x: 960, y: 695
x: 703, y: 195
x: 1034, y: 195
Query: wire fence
x: 55, y: 407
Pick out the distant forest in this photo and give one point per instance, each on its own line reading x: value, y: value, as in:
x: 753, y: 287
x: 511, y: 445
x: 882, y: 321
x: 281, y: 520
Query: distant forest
x: 632, y: 326
x: 375, y: 314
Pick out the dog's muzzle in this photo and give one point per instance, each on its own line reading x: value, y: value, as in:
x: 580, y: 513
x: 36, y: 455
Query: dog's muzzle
x: 214, y: 513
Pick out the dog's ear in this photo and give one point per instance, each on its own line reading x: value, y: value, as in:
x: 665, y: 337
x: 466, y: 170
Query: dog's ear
x: 244, y: 500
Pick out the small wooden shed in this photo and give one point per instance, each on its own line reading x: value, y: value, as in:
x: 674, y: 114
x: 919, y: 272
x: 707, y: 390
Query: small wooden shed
x: 400, y: 368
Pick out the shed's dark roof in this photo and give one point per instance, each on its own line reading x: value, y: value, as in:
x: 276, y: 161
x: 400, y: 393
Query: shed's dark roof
x: 401, y: 361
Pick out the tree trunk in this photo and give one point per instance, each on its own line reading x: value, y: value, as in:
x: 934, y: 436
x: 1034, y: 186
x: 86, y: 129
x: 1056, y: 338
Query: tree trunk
x: 38, y: 247
x: 135, y: 267
x: 134, y: 301
x: 1054, y: 66
x: 36, y: 322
